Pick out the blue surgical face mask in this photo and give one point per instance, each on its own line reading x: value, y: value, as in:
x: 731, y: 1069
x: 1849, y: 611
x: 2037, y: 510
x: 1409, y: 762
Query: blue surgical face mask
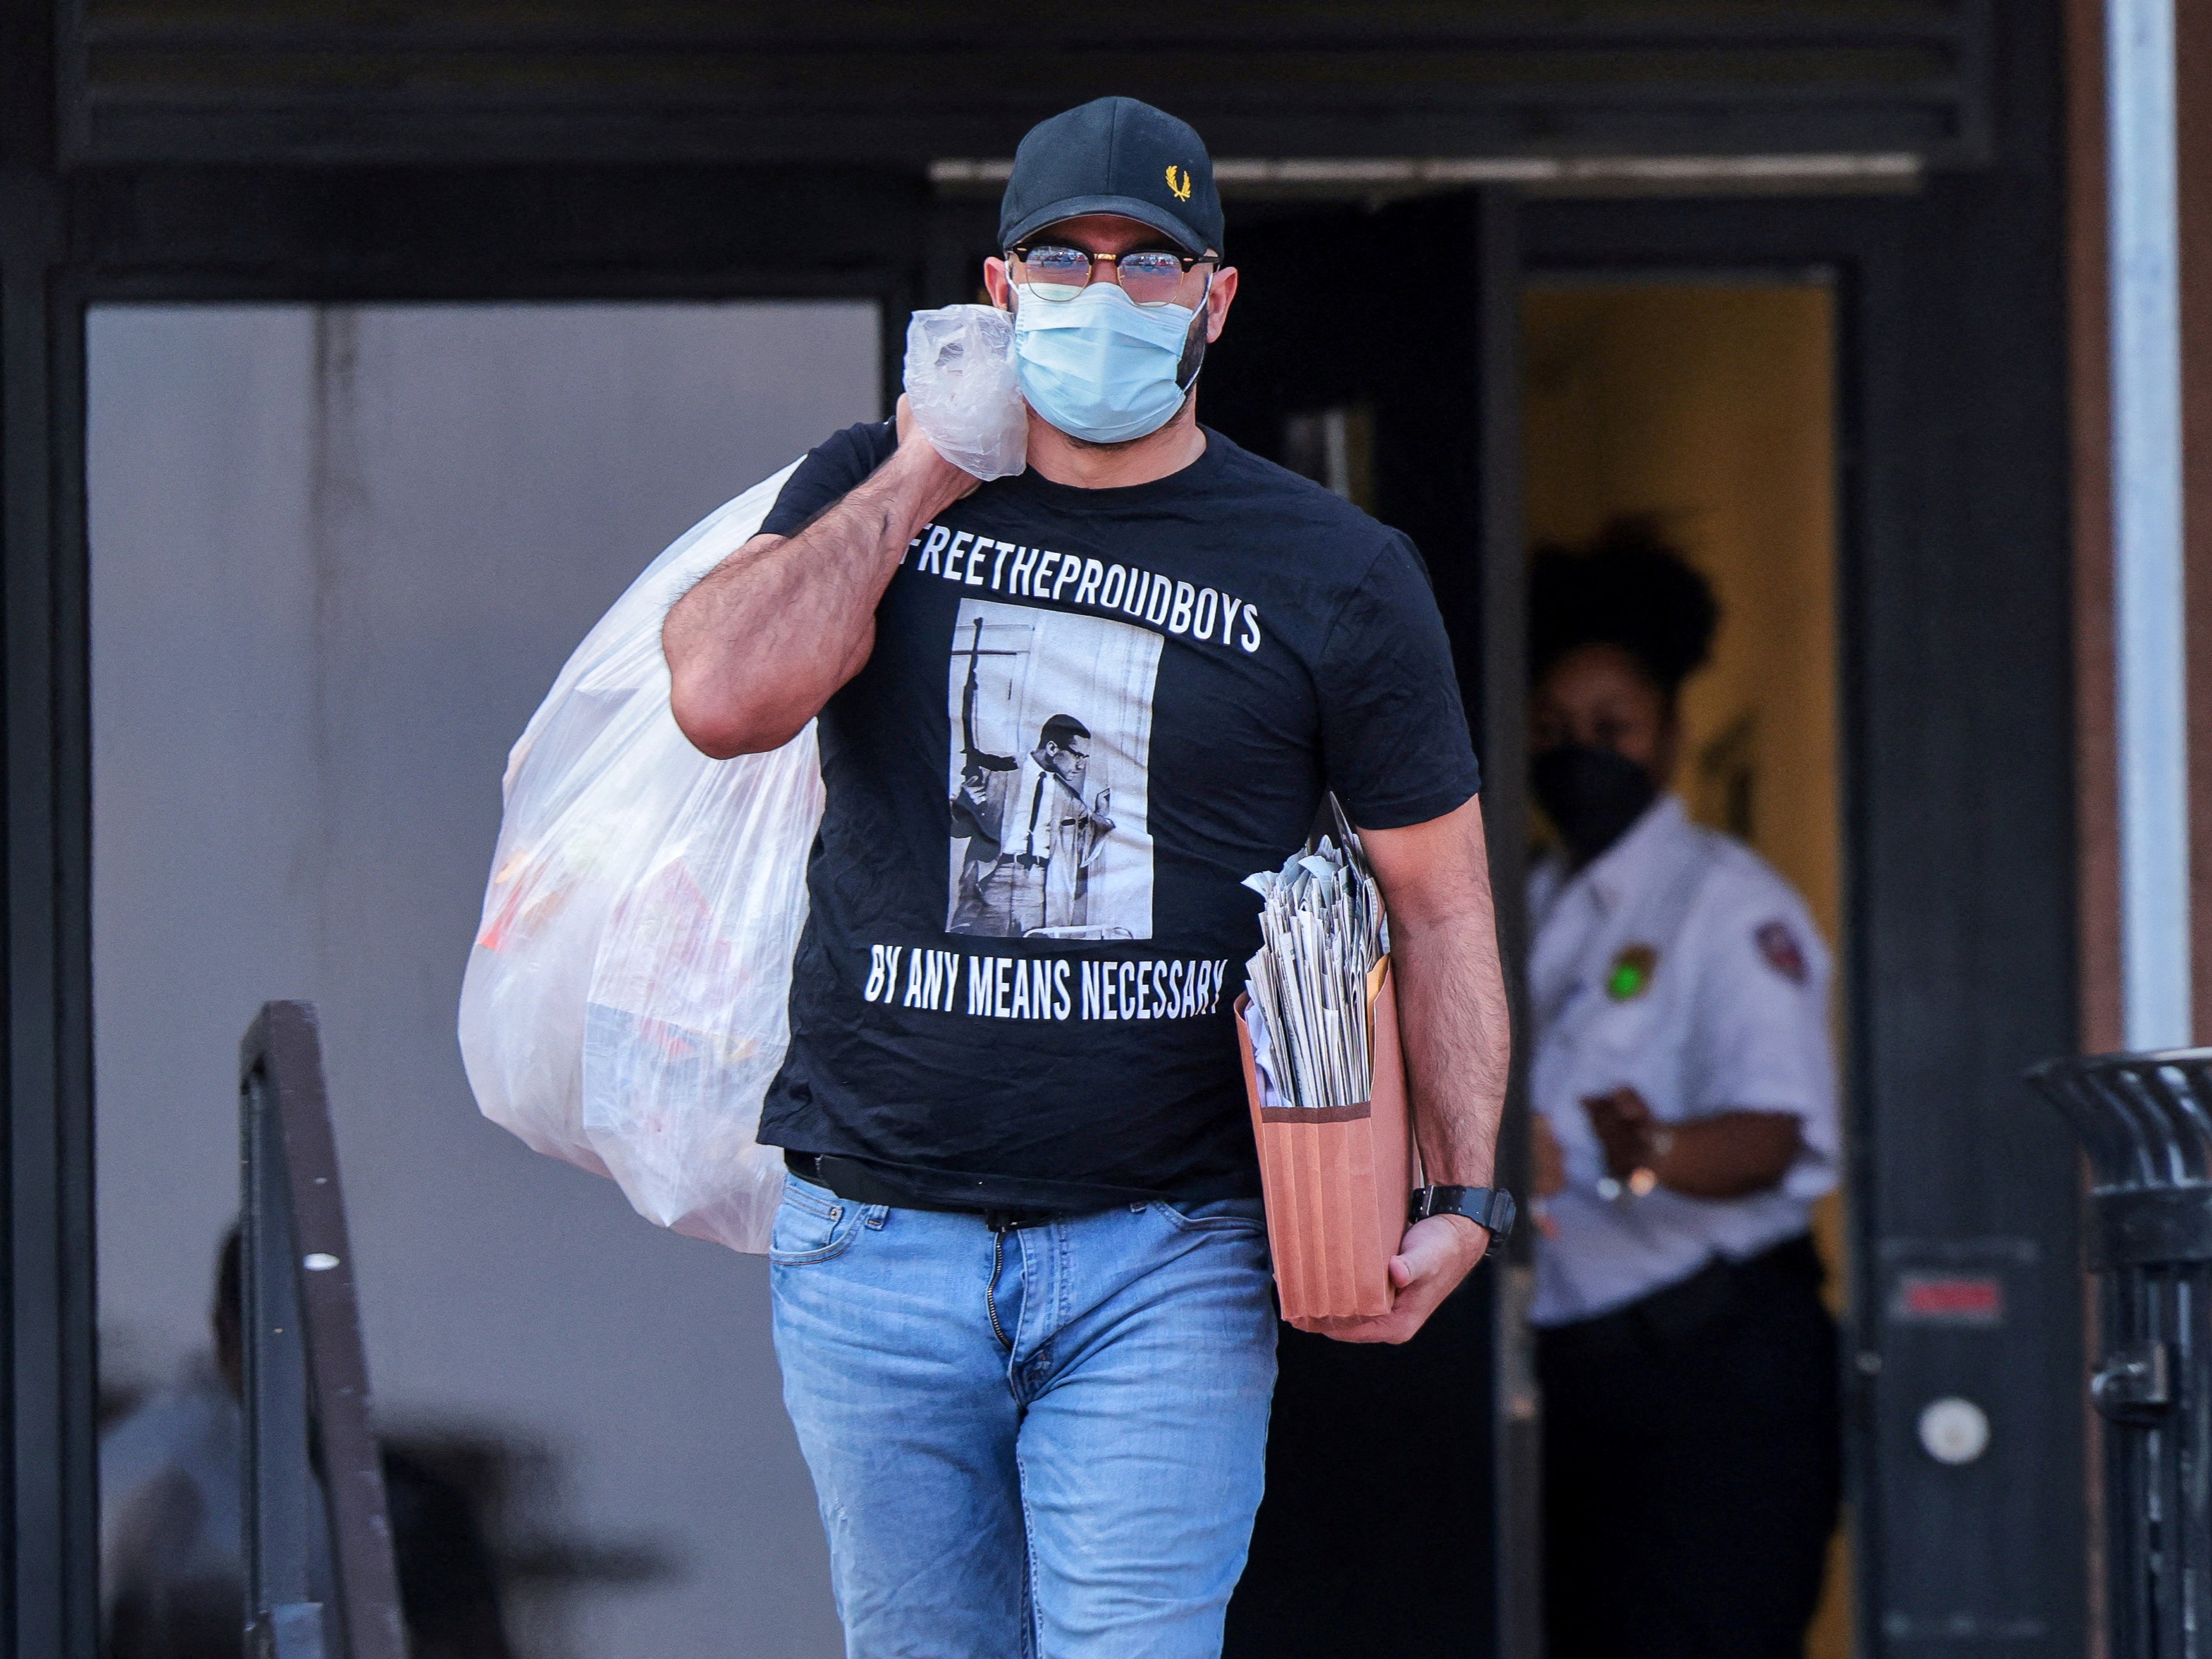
x: 1100, y: 366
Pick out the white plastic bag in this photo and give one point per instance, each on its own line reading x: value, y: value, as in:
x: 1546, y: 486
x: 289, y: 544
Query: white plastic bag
x: 626, y: 1000
x: 961, y: 383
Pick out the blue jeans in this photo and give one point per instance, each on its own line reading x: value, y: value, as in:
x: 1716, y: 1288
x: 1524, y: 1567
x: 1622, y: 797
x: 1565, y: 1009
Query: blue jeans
x: 1063, y: 1463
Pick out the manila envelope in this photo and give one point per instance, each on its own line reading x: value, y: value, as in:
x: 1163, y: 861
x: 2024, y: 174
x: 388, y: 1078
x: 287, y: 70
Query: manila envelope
x: 1339, y: 1181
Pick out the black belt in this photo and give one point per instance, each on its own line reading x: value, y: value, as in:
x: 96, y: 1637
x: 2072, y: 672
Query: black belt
x: 1668, y: 1317
x: 857, y: 1183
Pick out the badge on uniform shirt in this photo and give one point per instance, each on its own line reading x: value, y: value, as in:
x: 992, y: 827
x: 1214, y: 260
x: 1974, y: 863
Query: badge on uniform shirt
x: 1779, y: 946
x: 1630, y: 976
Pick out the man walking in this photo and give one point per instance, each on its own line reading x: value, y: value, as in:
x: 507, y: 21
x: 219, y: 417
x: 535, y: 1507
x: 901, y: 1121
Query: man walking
x: 1020, y: 1272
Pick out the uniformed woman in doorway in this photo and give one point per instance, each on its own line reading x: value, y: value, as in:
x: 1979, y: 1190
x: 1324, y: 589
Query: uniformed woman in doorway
x: 1685, y: 1094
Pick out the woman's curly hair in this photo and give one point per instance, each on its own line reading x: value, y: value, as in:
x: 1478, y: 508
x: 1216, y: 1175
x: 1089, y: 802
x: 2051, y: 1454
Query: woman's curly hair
x: 1628, y: 587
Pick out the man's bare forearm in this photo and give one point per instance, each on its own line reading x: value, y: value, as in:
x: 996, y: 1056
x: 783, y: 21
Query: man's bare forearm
x: 767, y: 636
x: 1452, y: 1011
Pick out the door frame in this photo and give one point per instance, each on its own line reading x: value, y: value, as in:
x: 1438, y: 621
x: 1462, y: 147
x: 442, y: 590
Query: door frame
x: 1957, y: 802
x: 1954, y: 302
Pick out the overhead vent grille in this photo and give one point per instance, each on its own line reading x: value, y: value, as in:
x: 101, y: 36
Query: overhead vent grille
x: 898, y: 85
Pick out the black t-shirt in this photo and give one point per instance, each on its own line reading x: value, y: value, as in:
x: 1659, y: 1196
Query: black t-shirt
x: 1089, y: 715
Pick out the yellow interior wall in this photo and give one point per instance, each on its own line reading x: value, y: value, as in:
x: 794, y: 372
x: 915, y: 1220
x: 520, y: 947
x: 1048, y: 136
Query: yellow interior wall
x: 1712, y: 407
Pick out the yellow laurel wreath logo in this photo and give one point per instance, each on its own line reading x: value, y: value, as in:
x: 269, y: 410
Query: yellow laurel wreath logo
x: 1183, y: 190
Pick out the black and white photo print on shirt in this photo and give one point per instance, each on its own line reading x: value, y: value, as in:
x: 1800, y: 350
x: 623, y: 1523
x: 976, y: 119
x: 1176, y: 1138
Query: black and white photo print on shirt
x: 1051, y: 726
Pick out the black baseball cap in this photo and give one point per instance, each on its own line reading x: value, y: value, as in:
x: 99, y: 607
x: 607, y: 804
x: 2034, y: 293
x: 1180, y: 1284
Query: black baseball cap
x: 1114, y: 155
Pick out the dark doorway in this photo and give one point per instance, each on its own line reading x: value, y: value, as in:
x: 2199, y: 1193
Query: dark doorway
x: 1705, y: 402
x: 1361, y: 354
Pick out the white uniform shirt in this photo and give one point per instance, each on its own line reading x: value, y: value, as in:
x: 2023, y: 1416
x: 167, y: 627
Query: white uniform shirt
x: 1680, y: 964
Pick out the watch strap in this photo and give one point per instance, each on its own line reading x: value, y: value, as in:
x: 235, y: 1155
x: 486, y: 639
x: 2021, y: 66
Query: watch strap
x: 1490, y: 1207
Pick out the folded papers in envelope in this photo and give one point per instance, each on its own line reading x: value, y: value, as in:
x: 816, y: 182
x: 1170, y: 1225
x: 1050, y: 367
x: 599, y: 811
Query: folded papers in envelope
x: 1318, y: 1028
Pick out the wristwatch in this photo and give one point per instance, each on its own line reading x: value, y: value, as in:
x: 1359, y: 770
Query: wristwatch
x: 1486, y: 1206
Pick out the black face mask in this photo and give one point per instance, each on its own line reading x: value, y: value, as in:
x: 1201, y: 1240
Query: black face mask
x: 1592, y: 794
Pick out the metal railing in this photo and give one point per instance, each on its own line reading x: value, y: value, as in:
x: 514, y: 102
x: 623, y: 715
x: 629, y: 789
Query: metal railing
x: 2146, y: 1123
x: 315, y: 1520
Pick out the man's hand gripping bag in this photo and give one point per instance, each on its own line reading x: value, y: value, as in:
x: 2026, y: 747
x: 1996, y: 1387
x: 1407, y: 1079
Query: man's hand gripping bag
x: 626, y: 1000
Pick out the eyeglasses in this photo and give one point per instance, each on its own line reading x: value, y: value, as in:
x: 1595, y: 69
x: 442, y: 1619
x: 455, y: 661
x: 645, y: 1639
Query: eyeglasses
x: 1152, y: 276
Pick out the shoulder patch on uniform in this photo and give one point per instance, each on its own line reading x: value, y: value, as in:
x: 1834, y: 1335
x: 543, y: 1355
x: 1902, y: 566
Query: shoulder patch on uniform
x: 1779, y: 944
x: 1630, y: 976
